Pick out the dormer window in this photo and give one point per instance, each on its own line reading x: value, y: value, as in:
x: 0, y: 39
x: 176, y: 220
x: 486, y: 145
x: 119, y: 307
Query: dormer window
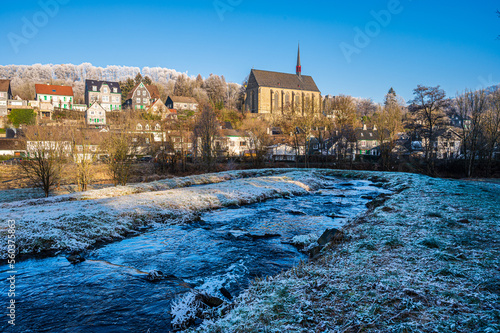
x: 139, y: 127
x: 94, y: 88
x: 115, y: 90
x: 158, y: 127
x: 147, y: 128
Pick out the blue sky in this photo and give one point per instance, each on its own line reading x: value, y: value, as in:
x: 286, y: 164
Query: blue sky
x: 451, y: 43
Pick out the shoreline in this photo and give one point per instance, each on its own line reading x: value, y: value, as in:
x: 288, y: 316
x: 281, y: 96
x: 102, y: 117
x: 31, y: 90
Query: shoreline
x: 425, y: 260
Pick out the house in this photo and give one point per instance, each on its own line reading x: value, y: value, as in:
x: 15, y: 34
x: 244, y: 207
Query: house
x: 182, y: 103
x: 141, y: 97
x: 282, y: 152
x: 458, y: 121
x: 5, y: 95
x: 12, y: 147
x: 157, y: 108
x: 107, y: 93
x: 277, y: 93
x: 151, y: 130
x: 95, y: 115
x: 236, y: 141
x: 447, y: 144
x: 367, y: 140
x: 50, y: 97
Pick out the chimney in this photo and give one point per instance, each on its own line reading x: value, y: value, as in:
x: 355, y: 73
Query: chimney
x: 364, y: 127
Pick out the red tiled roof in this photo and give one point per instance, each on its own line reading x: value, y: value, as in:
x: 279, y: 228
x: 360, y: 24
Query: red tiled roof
x: 47, y: 89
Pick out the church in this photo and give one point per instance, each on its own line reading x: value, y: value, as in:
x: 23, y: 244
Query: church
x: 274, y: 93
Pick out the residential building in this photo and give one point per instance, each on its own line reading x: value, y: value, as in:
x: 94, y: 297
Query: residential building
x: 50, y: 97
x: 368, y: 140
x: 141, y: 97
x: 237, y: 142
x: 447, y: 145
x: 157, y: 108
x: 277, y: 93
x: 12, y: 147
x: 107, y: 93
x: 96, y: 115
x: 182, y: 103
x: 5, y: 95
x: 282, y: 152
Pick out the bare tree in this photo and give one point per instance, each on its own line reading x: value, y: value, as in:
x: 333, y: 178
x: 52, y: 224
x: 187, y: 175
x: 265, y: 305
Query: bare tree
x: 471, y: 108
x: 84, y: 153
x: 206, y: 130
x: 47, y: 152
x: 492, y: 127
x: 259, y: 140
x: 388, y: 121
x: 428, y: 106
x: 118, y: 146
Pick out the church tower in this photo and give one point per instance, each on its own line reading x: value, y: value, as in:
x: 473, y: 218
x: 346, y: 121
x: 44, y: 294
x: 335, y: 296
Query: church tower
x: 299, y: 67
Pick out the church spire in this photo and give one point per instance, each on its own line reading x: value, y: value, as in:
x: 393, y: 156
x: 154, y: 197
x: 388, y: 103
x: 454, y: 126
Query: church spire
x: 299, y: 67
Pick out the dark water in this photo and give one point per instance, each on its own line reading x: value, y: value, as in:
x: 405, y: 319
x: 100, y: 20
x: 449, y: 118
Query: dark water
x: 109, y: 292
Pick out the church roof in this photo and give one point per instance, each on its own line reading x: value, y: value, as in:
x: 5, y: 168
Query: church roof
x: 282, y: 80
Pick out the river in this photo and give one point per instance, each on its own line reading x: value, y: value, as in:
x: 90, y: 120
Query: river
x: 110, y: 292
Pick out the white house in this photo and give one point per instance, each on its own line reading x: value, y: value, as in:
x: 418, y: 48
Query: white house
x: 237, y: 142
x: 95, y: 115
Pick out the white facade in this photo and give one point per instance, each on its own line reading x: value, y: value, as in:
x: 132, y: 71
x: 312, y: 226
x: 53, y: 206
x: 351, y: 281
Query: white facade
x: 95, y: 115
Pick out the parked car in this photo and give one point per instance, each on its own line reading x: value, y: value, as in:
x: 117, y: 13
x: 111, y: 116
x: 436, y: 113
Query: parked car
x: 146, y: 158
x: 14, y: 160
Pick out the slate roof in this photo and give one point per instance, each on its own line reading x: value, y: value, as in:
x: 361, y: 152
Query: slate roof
x: 281, y: 80
x: 48, y: 89
x: 153, y: 91
x: 90, y: 83
x: 368, y: 134
x: 4, y: 85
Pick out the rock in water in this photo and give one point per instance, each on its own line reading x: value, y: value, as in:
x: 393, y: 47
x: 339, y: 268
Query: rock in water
x: 75, y: 259
x: 155, y: 275
x: 226, y: 293
x: 209, y: 300
x: 327, y: 236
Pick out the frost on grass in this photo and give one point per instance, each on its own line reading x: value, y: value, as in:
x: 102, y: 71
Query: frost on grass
x: 426, y: 260
x: 59, y: 224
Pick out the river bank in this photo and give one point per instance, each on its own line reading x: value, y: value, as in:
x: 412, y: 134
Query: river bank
x: 426, y: 260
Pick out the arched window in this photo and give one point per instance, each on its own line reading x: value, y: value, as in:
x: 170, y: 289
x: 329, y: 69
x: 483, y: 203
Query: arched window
x: 157, y: 127
x: 256, y: 102
x: 287, y: 101
x: 276, y: 101
x: 147, y: 127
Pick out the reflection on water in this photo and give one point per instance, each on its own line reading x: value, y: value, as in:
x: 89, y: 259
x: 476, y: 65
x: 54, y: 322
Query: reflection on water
x: 110, y: 292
